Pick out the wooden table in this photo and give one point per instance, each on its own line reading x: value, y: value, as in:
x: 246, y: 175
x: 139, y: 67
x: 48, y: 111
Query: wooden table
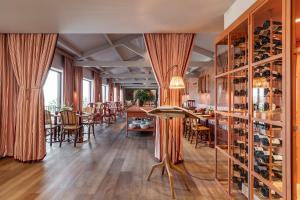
x: 139, y: 112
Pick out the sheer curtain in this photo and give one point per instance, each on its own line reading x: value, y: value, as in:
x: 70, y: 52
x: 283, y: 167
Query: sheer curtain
x: 166, y: 50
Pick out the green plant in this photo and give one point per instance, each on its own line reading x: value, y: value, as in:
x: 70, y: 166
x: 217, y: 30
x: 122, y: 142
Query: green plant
x: 144, y: 95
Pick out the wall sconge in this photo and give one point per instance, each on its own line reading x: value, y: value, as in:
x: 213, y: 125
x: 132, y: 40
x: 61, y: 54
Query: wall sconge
x: 297, y: 20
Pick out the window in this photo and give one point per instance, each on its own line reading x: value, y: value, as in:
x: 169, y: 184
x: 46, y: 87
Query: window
x: 87, y: 92
x: 121, y: 95
x: 53, y: 90
x: 115, y: 94
x: 104, y: 93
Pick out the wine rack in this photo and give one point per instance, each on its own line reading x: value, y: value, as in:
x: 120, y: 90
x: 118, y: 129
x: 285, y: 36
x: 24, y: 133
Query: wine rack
x: 250, y: 105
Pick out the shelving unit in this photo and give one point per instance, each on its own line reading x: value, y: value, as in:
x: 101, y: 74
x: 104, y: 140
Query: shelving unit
x: 250, y: 104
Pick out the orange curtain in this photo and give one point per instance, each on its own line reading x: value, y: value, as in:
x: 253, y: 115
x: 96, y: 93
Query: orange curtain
x: 118, y: 88
x: 77, y: 93
x: 8, y: 98
x: 31, y: 56
x: 97, y: 87
x: 110, y: 90
x: 166, y: 50
x: 68, y: 81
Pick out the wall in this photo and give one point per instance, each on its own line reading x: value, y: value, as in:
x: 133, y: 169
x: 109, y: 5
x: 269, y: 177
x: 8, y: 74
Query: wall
x: 206, y: 99
x: 58, y: 61
x: 236, y: 10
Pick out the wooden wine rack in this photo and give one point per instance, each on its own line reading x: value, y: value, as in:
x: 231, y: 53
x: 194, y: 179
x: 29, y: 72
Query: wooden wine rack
x: 230, y: 110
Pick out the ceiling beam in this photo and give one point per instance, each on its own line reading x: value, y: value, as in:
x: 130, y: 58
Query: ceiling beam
x: 138, y: 87
x: 203, y: 51
x: 68, y: 47
x: 136, y: 81
x: 105, y: 47
x: 135, y: 49
x: 135, y: 63
x: 128, y: 75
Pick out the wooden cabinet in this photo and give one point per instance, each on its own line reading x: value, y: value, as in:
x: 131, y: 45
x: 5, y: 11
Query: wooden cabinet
x: 250, y: 129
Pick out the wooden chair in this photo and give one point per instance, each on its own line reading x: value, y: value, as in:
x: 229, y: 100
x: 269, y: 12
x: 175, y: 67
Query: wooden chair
x: 98, y: 116
x: 199, y: 130
x: 49, y: 126
x: 89, y: 120
x: 70, y: 125
x: 108, y: 113
x: 119, y: 110
x: 187, y: 127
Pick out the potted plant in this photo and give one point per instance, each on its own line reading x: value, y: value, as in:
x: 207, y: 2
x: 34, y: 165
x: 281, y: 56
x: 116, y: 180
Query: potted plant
x: 142, y: 96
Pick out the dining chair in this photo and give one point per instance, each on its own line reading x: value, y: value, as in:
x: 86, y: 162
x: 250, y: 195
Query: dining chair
x: 88, y: 120
x: 108, y: 113
x: 70, y: 125
x: 98, y: 116
x: 49, y: 126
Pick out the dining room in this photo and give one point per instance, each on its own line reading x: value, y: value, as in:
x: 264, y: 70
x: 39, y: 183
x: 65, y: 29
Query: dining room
x: 149, y: 99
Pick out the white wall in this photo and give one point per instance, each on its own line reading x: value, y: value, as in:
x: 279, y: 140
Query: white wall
x: 236, y: 10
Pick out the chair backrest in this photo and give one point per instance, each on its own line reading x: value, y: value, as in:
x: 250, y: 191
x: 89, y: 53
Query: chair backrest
x: 89, y: 110
x: 68, y: 118
x: 48, y: 120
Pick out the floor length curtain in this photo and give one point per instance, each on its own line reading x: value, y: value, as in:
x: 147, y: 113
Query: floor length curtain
x: 97, y: 87
x: 68, y: 82
x: 8, y: 98
x: 31, y: 56
x: 110, y: 90
x: 77, y: 94
x: 165, y: 51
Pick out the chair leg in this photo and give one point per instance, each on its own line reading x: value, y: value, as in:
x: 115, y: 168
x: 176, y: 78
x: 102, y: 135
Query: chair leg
x: 89, y: 132
x: 93, y: 129
x: 192, y: 134
x: 61, y: 137
x: 76, y: 137
x: 51, y: 133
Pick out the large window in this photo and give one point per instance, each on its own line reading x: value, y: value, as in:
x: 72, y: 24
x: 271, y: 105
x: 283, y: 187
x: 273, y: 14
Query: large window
x: 53, y: 90
x: 104, y: 93
x: 115, y: 94
x: 87, y: 92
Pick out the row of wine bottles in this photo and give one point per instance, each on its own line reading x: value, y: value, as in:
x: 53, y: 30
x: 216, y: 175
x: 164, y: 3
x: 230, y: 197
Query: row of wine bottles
x: 267, y: 40
x: 264, y: 189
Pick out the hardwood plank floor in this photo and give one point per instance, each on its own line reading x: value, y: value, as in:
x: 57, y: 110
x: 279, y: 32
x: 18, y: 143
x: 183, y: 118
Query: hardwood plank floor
x: 111, y: 166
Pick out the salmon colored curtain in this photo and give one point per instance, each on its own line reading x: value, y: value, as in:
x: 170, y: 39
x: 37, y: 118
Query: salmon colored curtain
x: 68, y: 82
x: 77, y: 93
x: 110, y: 90
x: 118, y: 88
x: 8, y: 98
x: 31, y: 56
x: 97, y: 87
x: 165, y: 51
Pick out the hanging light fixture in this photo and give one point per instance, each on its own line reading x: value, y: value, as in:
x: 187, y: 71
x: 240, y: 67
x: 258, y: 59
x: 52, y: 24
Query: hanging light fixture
x: 176, y: 82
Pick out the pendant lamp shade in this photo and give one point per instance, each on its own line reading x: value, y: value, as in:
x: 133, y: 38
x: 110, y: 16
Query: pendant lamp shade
x: 177, y: 83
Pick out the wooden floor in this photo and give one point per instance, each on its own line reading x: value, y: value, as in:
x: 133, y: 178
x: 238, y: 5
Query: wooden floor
x: 109, y: 167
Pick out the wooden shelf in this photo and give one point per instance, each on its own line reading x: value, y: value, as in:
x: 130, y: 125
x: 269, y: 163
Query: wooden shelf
x: 267, y: 60
x: 242, y: 33
x: 232, y: 71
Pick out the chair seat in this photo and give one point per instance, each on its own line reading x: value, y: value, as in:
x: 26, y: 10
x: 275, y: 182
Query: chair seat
x: 48, y: 126
x: 71, y: 127
x: 200, y: 128
x: 88, y: 122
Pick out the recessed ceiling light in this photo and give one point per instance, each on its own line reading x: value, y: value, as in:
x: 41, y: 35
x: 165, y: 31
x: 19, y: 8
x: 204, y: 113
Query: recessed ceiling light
x: 297, y: 20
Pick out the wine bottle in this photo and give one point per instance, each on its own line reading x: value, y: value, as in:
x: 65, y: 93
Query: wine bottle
x: 275, y: 141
